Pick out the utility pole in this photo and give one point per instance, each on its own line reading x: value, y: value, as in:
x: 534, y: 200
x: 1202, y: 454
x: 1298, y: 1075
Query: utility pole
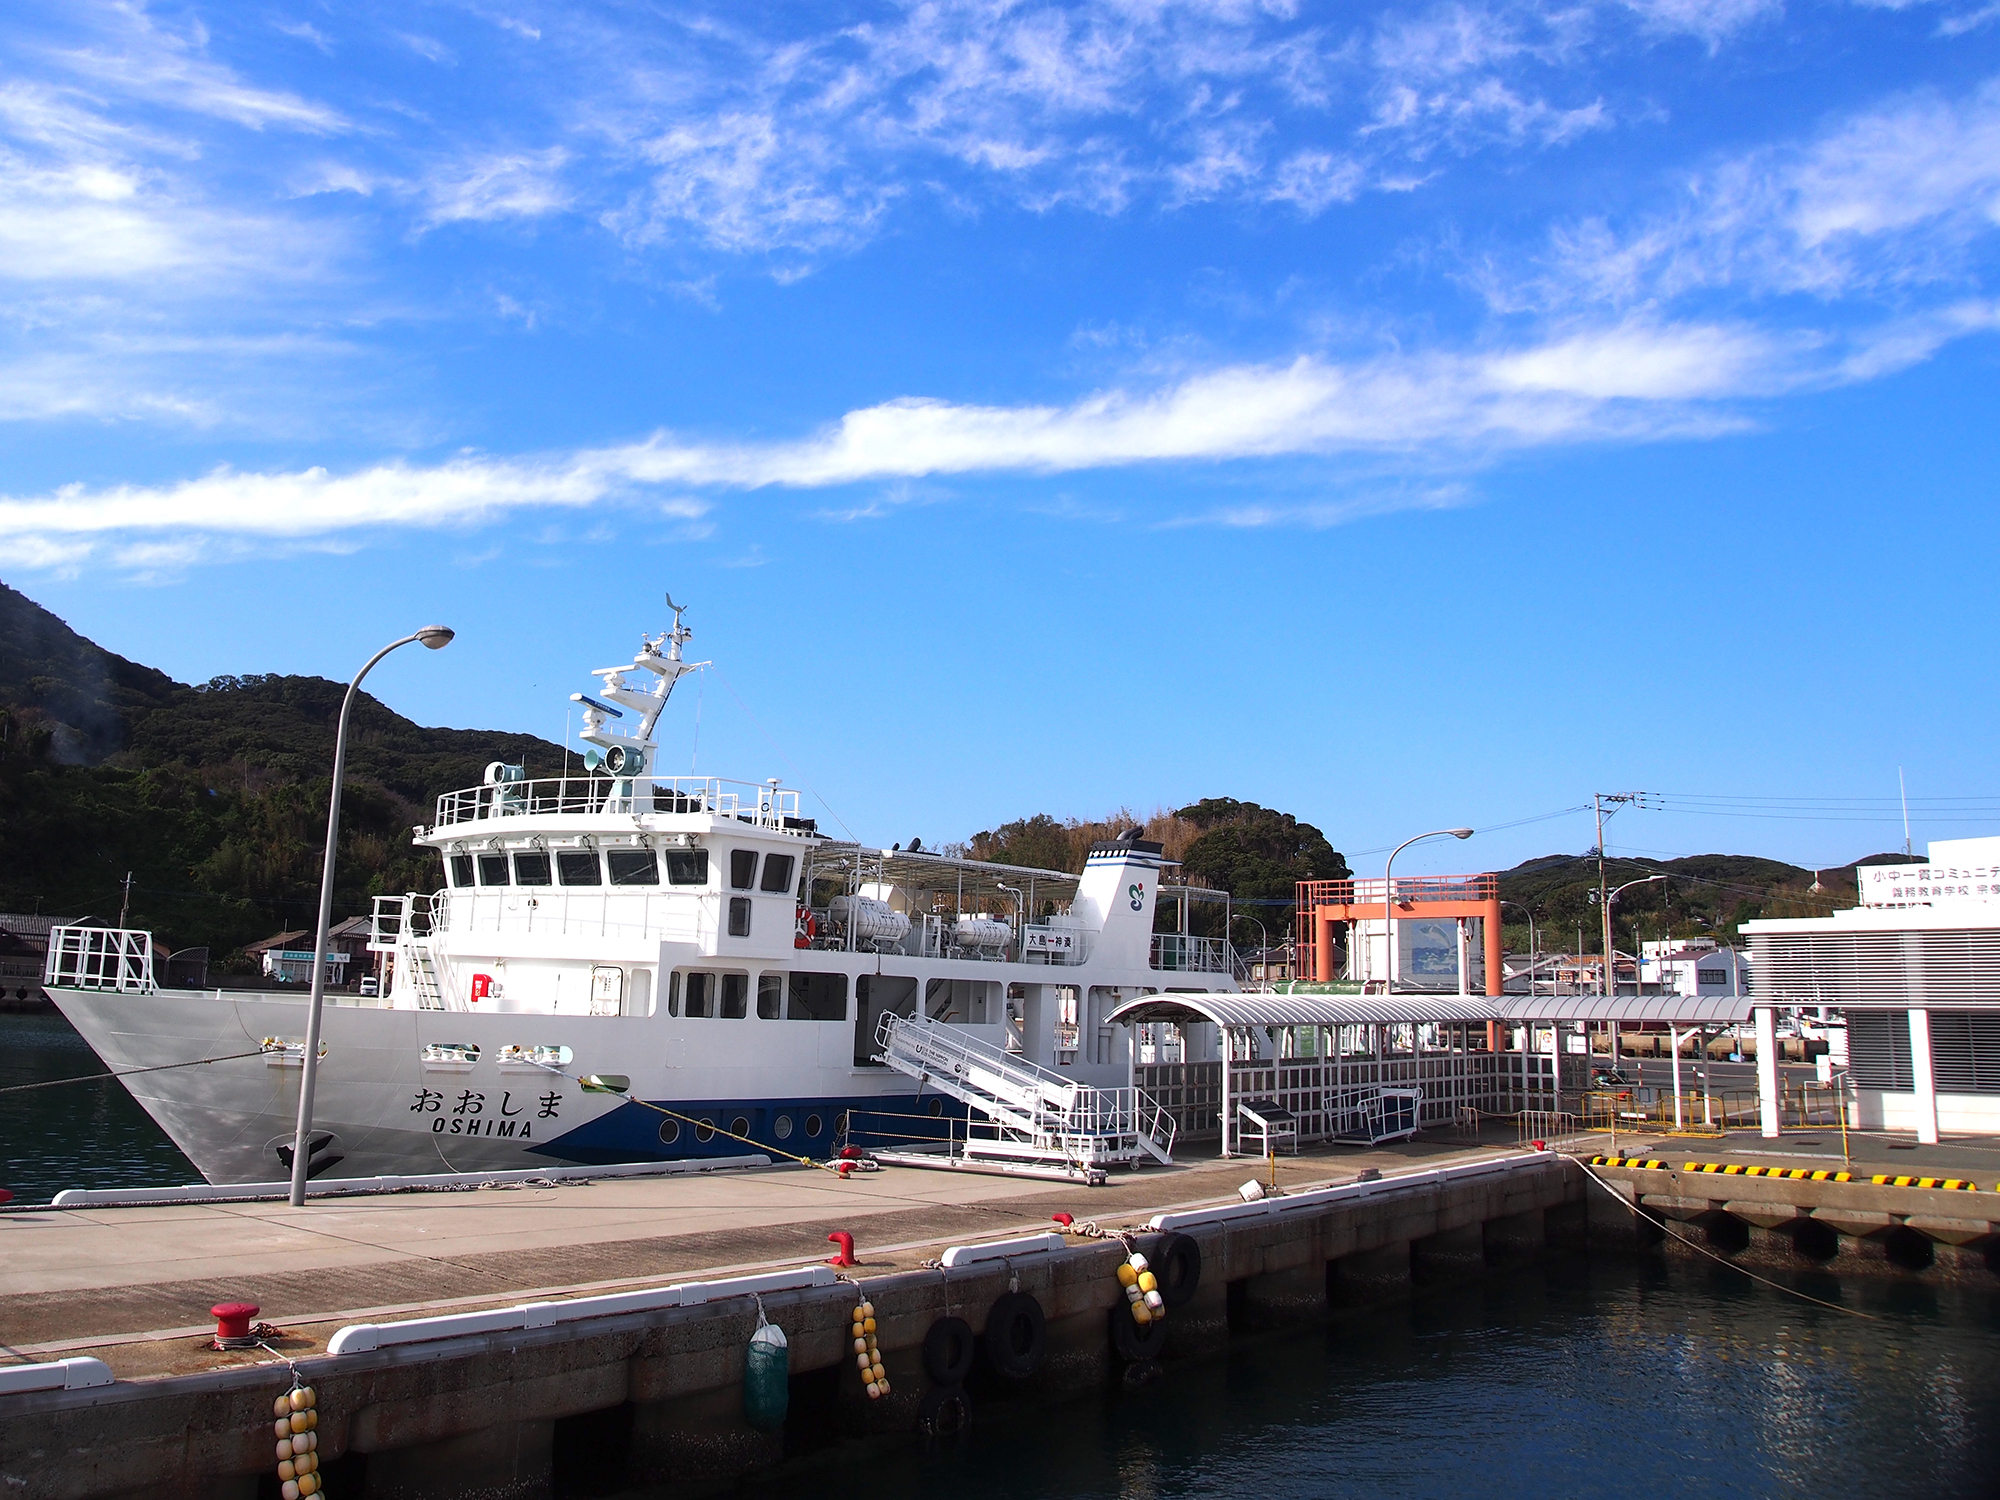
x: 125, y: 906
x: 1598, y: 800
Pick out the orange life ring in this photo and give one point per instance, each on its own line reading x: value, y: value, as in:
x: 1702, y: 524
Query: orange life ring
x: 805, y: 930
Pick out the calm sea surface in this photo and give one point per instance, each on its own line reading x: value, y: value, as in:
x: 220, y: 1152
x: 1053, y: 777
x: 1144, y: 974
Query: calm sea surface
x: 1604, y: 1379
x: 77, y: 1134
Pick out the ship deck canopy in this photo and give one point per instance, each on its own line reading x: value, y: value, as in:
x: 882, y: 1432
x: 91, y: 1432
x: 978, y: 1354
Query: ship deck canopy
x: 921, y: 870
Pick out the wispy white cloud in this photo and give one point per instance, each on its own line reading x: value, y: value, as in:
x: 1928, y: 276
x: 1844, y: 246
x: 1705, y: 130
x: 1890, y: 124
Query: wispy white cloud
x: 136, y: 56
x: 1894, y: 196
x: 1631, y: 381
x: 521, y: 185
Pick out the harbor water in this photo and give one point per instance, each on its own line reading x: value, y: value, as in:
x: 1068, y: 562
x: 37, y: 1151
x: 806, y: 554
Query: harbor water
x: 1607, y: 1378
x: 76, y: 1134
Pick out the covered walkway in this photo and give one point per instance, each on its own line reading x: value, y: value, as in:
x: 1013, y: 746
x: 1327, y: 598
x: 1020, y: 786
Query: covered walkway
x: 1324, y: 1061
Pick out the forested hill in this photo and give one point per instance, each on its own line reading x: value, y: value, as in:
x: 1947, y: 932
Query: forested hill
x: 1704, y: 895
x: 1256, y: 854
x: 214, y: 795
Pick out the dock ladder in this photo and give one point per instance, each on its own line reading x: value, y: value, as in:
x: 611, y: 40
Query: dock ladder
x: 1036, y: 1123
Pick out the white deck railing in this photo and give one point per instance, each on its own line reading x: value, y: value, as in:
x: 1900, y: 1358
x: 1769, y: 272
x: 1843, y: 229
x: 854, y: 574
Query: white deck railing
x: 1197, y: 955
x: 99, y: 958
x: 758, y: 803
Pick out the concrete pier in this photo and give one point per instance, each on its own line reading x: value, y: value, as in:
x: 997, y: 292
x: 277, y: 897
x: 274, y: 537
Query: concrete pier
x: 638, y: 1398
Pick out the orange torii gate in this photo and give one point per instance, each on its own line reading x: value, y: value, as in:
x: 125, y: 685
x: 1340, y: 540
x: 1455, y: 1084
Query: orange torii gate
x: 1325, y: 902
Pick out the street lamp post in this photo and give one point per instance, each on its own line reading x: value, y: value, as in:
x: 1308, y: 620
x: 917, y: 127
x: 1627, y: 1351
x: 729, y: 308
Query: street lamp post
x: 1389, y: 899
x: 1263, y: 936
x: 436, y: 637
x: 1611, y: 968
x: 1531, y: 941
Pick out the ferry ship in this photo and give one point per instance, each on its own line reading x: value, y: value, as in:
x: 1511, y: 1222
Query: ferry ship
x: 623, y: 967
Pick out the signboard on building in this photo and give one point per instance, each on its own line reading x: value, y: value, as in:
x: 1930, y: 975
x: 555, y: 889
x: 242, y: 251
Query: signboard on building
x: 1928, y: 884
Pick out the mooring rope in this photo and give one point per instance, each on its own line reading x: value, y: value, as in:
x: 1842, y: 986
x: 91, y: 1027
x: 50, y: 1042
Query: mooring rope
x: 199, y: 1062
x: 1638, y: 1213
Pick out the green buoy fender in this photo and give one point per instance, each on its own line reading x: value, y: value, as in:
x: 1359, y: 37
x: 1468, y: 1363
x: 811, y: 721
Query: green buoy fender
x: 767, y: 1372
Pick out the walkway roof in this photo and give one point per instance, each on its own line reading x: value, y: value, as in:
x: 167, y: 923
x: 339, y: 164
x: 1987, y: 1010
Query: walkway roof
x: 1270, y: 1008
x: 1264, y: 1008
x: 1684, y: 1010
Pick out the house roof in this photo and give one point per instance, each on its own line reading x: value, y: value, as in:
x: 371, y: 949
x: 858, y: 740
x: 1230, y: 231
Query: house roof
x: 282, y: 940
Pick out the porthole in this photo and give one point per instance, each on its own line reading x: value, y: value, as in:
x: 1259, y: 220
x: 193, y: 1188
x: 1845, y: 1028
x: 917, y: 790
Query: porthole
x: 782, y: 1127
x: 705, y: 1132
x: 936, y: 1108
x: 739, y: 1126
x: 670, y: 1131
x: 814, y: 1124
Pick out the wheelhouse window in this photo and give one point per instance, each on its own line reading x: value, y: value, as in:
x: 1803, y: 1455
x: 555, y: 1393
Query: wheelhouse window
x: 460, y: 867
x: 817, y: 997
x: 739, y: 916
x: 531, y: 869
x: 632, y: 866
x: 777, y: 873
x: 770, y: 996
x: 735, y: 996
x: 492, y: 869
x: 700, y: 994
x: 704, y: 994
x: 742, y: 869
x: 687, y: 867
x: 578, y: 867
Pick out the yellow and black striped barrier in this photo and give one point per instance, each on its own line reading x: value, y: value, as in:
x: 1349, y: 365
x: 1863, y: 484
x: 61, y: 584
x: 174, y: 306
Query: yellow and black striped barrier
x: 1789, y: 1174
x: 1792, y: 1174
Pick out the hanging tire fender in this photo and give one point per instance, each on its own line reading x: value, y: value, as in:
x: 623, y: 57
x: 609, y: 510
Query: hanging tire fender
x: 1017, y: 1336
x: 949, y: 1351
x: 944, y: 1412
x: 1132, y: 1342
x: 1176, y: 1263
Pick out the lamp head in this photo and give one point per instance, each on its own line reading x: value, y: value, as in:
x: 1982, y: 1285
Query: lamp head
x: 437, y: 637
x: 1460, y: 833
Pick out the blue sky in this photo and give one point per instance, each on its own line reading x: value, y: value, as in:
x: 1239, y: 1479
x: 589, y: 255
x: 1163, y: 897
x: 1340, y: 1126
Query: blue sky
x: 1403, y: 414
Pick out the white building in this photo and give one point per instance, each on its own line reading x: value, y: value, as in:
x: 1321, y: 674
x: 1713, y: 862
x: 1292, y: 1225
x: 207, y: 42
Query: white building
x: 1698, y: 966
x: 1916, y: 968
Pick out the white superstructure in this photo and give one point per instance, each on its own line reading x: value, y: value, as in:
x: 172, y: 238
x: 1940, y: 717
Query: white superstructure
x: 611, y: 938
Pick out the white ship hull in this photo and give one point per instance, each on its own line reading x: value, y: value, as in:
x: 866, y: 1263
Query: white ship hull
x: 380, y: 1109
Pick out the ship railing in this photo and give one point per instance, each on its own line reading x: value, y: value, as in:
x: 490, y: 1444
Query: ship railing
x: 757, y: 803
x: 99, y: 958
x: 1197, y: 955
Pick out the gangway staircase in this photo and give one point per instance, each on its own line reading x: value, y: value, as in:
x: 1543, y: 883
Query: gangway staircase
x: 397, y: 929
x: 1024, y: 1119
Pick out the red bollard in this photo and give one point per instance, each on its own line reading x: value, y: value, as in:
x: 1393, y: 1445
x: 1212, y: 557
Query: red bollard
x: 1063, y: 1219
x: 1539, y: 1145
x: 845, y: 1241
x: 5, y: 1196
x: 232, y: 1324
x: 844, y: 1169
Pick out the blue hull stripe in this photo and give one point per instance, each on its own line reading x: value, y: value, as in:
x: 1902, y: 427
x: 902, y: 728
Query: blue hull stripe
x: 632, y: 1132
